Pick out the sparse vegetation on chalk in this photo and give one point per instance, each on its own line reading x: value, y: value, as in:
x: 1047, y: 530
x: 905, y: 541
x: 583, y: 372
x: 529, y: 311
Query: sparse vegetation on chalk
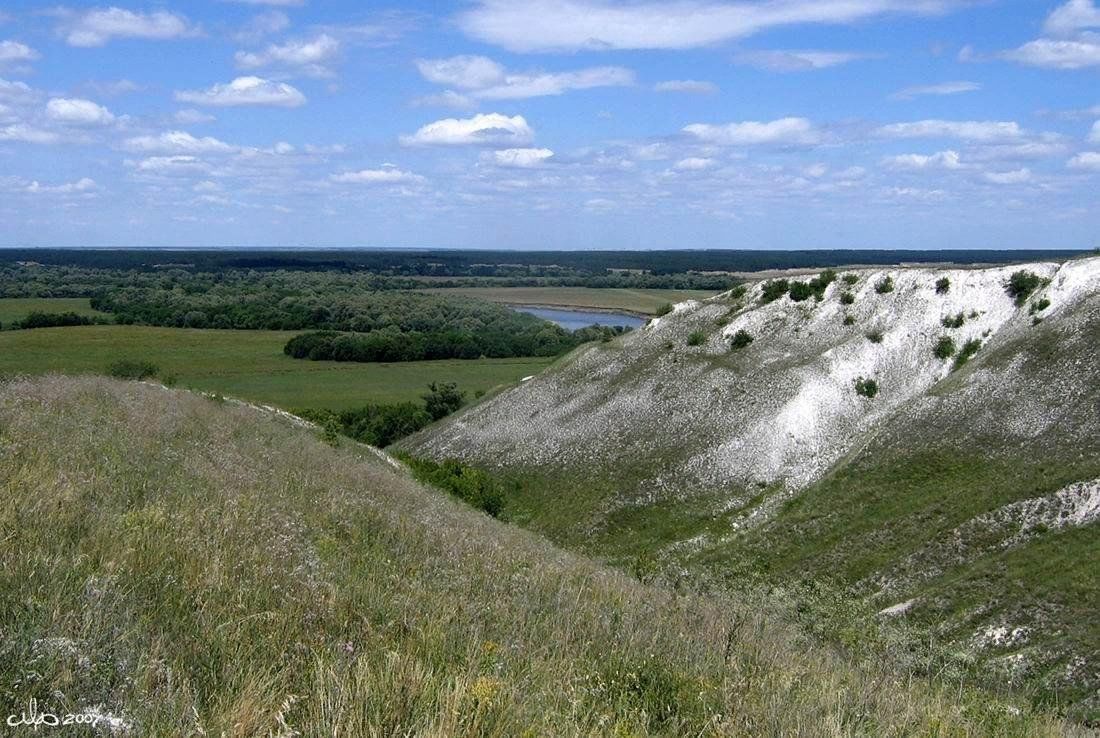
x: 967, y: 352
x: 847, y: 298
x: 866, y: 387
x: 885, y: 285
x: 1039, y: 306
x: 943, y: 286
x: 954, y: 321
x: 741, y: 339
x: 696, y: 338
x: 1021, y: 285
x: 944, y: 348
x: 874, y: 336
x: 773, y: 290
x: 850, y: 279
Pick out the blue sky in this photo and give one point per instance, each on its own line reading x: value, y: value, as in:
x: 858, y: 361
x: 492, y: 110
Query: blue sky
x: 551, y: 124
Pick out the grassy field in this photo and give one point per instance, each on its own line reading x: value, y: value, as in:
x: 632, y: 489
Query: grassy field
x: 13, y: 309
x: 247, y: 364
x: 208, y: 569
x: 636, y: 301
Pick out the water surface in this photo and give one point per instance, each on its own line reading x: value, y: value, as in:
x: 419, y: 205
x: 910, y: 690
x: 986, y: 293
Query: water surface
x: 571, y: 320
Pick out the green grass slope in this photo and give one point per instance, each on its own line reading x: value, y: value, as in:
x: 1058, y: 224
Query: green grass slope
x: 172, y: 565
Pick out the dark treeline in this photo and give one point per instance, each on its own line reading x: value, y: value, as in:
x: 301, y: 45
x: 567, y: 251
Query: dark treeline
x: 488, y: 263
x: 389, y: 345
x: 56, y: 320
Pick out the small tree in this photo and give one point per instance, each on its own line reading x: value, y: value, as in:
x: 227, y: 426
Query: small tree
x: 773, y: 290
x: 944, y: 348
x: 866, y: 387
x: 442, y: 399
x: 741, y: 339
x: 1021, y: 285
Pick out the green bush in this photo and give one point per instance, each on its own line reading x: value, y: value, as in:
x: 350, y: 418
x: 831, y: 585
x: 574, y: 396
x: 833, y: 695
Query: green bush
x: 874, y: 336
x: 970, y: 348
x: 473, y: 486
x: 954, y: 321
x: 866, y: 387
x: 885, y: 285
x: 741, y: 339
x: 847, y: 298
x: 943, y: 286
x: 850, y: 279
x: 131, y: 369
x: 849, y: 320
x: 443, y: 399
x: 738, y: 292
x: 1039, y: 306
x: 1021, y: 285
x: 696, y: 338
x: 773, y: 290
x: 944, y: 348
x: 664, y: 309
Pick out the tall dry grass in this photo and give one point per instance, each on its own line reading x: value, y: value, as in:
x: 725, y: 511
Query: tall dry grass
x: 192, y: 568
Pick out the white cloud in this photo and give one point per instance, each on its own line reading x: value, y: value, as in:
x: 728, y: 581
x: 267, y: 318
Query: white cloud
x: 170, y: 164
x: 784, y: 131
x: 383, y: 176
x: 939, y: 160
x: 966, y: 130
x: 694, y: 86
x: 262, y: 25
x: 1057, y: 54
x: 191, y: 117
x: 482, y: 129
x: 245, y: 91
x: 310, y: 57
x: 1018, y: 176
x: 1067, y: 42
x: 27, y: 134
x: 482, y: 78
x: 796, y: 61
x: 178, y: 142
x: 693, y: 164
x: 74, y: 111
x: 84, y: 185
x: 518, y: 158
x: 98, y: 27
x: 1086, y: 160
x: 944, y: 88
x: 1074, y: 16
x: 1094, y: 137
x: 16, y: 92
x: 13, y: 51
x: 570, y: 25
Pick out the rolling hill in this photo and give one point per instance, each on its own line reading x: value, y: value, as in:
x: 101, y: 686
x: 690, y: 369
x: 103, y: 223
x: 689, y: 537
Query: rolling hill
x: 175, y: 564
x: 928, y: 440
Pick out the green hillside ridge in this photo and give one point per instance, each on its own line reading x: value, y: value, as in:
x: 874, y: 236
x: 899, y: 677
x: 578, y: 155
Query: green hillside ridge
x: 176, y: 565
x: 960, y: 498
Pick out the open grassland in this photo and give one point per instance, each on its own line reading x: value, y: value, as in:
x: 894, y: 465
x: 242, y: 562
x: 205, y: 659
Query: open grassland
x: 247, y: 364
x: 643, y: 301
x: 208, y: 569
x: 13, y: 309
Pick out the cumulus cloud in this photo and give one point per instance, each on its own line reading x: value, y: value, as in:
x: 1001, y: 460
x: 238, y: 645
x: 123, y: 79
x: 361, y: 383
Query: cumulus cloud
x: 1017, y: 176
x: 785, y: 131
x: 245, y: 91
x: 388, y: 174
x: 966, y: 130
x: 1086, y: 160
x: 693, y: 86
x: 481, y: 130
x: 571, y: 25
x: 939, y: 160
x: 22, y: 133
x: 796, y: 61
x: 1067, y: 42
x: 177, y: 142
x: 518, y: 158
x: 13, y: 51
x: 170, y: 165
x: 693, y: 164
x: 311, y: 57
x: 77, y: 112
x: 99, y: 26
x: 482, y: 78
x: 81, y: 186
x: 943, y: 88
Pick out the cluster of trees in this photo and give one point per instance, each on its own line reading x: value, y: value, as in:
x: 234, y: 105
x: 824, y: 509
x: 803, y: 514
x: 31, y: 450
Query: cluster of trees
x: 55, y: 320
x: 382, y: 424
x: 390, y: 345
x: 473, y: 486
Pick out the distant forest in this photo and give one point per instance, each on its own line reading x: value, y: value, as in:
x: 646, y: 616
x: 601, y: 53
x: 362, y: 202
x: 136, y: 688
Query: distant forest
x: 506, y: 264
